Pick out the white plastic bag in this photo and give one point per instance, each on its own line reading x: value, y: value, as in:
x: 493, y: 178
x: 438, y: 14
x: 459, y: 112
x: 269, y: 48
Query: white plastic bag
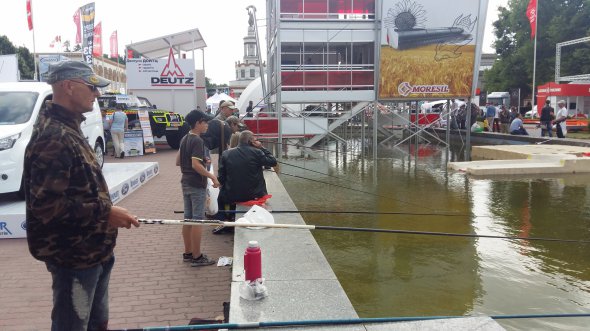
x: 211, y: 207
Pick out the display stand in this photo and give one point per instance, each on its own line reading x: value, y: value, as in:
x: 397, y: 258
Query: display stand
x: 148, y: 139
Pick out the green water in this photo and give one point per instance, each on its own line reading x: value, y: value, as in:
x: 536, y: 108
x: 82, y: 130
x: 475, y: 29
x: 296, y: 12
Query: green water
x: 387, y: 275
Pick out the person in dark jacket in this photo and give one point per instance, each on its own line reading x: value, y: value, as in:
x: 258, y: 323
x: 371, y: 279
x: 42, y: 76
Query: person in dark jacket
x: 546, y: 119
x: 240, y: 171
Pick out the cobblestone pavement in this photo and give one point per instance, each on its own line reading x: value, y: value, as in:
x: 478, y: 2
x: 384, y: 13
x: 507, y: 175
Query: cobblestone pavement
x: 150, y: 285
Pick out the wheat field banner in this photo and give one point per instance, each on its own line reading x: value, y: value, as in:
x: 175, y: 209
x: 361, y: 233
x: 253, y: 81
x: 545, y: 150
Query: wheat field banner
x: 429, y: 48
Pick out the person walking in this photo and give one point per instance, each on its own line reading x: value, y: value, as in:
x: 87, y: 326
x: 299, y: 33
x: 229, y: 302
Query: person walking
x: 193, y: 161
x: 560, y: 118
x: 241, y: 172
x: 546, y: 113
x: 70, y: 219
x: 119, y: 125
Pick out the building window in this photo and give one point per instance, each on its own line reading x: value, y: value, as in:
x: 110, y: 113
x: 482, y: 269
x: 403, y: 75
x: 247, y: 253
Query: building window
x: 243, y: 73
x: 330, y: 9
x: 252, y: 73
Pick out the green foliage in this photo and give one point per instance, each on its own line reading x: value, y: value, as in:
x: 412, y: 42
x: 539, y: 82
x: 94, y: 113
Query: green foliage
x: 26, y: 63
x: 558, y: 21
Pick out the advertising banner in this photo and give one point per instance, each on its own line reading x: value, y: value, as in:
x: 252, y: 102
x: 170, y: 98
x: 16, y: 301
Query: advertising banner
x: 429, y: 48
x: 148, y: 138
x: 45, y: 60
x: 87, y: 31
x: 114, y: 43
x: 8, y: 68
x: 133, y: 142
x: 97, y: 40
x: 169, y: 73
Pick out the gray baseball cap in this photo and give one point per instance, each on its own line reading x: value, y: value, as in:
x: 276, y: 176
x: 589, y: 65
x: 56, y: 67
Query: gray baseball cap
x: 65, y: 70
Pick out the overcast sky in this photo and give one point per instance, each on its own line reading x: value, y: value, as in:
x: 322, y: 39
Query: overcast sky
x: 223, y: 24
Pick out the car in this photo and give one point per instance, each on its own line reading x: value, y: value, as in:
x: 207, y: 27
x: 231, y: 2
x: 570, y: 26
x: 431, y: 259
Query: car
x: 162, y: 122
x: 20, y: 103
x: 532, y: 114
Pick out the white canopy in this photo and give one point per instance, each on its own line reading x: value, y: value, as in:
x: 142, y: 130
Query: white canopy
x: 214, y: 100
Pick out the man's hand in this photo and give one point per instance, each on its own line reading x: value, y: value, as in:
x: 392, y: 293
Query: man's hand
x: 216, y: 183
x: 256, y: 144
x: 122, y: 218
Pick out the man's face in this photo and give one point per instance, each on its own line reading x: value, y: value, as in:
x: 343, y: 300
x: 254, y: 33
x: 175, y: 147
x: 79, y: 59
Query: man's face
x: 227, y: 111
x: 82, y: 94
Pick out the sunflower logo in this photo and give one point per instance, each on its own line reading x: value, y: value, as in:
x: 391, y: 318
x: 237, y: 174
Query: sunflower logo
x: 93, y: 80
x: 406, y: 15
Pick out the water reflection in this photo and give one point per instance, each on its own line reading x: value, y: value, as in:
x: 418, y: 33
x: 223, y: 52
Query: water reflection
x: 411, y: 275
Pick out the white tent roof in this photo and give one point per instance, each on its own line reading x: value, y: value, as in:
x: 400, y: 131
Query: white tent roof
x: 214, y: 100
x: 159, y: 47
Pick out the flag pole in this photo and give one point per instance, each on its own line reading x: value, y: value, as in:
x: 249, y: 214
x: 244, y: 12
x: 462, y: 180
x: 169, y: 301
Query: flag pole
x: 535, y: 51
x: 37, y: 78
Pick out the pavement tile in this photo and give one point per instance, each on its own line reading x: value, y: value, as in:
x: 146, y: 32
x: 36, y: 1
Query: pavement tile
x: 150, y: 285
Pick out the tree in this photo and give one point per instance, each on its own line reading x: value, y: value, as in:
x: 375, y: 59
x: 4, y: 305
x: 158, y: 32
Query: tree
x: 558, y: 21
x: 26, y: 62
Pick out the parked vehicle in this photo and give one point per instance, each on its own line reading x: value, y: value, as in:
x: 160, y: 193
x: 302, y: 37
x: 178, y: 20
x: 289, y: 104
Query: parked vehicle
x: 20, y: 103
x: 162, y: 122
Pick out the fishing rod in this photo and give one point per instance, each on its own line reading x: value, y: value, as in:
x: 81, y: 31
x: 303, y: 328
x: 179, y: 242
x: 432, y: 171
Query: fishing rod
x: 353, y: 212
x: 343, y: 228
x: 303, y: 323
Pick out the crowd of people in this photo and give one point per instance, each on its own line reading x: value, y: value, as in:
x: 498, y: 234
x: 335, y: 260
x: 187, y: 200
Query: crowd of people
x: 71, y: 222
x: 497, y: 118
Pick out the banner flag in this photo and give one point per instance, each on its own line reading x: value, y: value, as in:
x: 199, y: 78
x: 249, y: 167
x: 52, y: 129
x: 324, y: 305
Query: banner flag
x: 77, y: 22
x: 97, y: 40
x: 531, y: 13
x: 114, y: 45
x: 87, y: 13
x: 30, y: 14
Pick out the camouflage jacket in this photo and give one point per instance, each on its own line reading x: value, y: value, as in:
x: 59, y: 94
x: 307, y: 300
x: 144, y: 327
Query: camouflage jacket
x: 67, y: 198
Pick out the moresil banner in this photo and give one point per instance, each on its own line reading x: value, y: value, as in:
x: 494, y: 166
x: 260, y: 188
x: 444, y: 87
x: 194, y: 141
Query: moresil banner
x: 87, y: 31
x: 429, y: 48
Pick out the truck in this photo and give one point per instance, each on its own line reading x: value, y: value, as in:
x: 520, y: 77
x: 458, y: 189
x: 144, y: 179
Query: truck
x: 162, y: 122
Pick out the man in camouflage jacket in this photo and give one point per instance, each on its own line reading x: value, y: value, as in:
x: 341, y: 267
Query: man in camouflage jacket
x: 71, y: 222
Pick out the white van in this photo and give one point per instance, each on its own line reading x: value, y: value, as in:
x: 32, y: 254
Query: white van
x: 20, y: 103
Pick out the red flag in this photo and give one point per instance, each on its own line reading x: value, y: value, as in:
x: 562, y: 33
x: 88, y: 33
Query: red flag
x: 77, y: 22
x: 114, y: 45
x: 531, y: 13
x: 129, y: 53
x: 97, y: 43
x: 30, y: 14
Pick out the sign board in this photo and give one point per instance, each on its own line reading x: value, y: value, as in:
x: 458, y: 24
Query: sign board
x: 166, y: 74
x: 45, y: 61
x: 148, y: 139
x: 133, y: 142
x: 8, y: 68
x: 429, y: 48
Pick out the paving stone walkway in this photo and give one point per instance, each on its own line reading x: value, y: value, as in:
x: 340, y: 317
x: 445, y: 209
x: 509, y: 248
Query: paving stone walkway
x: 150, y: 285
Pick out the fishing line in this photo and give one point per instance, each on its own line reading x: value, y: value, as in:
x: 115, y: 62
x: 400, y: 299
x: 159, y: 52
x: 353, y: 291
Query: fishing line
x: 353, y: 229
x: 352, y: 212
x: 310, y: 170
x: 315, y: 149
x: 360, y: 191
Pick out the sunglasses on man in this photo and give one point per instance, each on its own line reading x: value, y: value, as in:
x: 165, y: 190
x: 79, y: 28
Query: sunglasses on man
x: 93, y: 88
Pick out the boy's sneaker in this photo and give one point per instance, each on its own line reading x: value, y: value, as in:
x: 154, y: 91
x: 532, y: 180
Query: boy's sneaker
x: 187, y: 257
x: 202, y: 260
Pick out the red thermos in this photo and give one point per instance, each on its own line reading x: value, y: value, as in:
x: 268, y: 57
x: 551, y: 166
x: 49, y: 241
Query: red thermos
x: 253, y: 261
